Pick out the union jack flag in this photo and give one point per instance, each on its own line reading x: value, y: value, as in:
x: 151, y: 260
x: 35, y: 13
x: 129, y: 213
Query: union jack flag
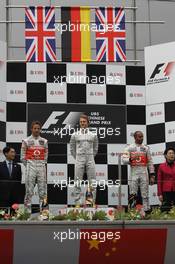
x: 110, y: 34
x: 40, y: 34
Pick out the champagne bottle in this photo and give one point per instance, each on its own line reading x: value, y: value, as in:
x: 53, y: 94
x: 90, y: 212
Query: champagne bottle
x: 89, y: 198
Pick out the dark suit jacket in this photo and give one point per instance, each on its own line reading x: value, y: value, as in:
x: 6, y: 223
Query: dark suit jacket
x: 9, y: 186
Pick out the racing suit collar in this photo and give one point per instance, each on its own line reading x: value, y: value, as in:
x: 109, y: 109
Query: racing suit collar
x: 138, y: 145
x: 84, y: 130
x: 32, y: 136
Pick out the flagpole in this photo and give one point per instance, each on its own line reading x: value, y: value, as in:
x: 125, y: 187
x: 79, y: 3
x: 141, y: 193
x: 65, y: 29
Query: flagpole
x: 127, y: 22
x: 59, y: 7
x: 92, y: 61
x: 7, y: 31
x: 135, y: 33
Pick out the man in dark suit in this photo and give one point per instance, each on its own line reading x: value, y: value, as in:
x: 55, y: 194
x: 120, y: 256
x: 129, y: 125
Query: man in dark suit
x: 10, y: 179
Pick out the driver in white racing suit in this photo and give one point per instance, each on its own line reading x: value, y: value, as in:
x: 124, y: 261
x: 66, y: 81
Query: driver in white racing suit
x: 138, y: 156
x: 34, y: 154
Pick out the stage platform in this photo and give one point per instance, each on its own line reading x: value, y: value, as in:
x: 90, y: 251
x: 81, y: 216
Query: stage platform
x: 123, y: 223
x: 40, y: 241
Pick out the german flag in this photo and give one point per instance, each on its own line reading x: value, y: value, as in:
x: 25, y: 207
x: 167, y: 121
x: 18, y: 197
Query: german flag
x: 76, y: 42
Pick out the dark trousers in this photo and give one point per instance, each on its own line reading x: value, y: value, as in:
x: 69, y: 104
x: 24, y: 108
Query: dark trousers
x: 10, y: 193
x: 168, y: 201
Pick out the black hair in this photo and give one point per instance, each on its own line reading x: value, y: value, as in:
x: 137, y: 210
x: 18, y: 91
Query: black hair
x: 167, y: 149
x: 6, y: 150
x: 136, y: 132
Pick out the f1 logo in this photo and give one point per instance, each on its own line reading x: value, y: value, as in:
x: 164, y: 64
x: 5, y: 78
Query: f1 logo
x: 157, y: 70
x: 167, y: 71
x: 52, y: 120
x: 70, y: 120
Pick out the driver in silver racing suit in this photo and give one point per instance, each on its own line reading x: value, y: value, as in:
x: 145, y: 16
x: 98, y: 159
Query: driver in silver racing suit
x: 138, y: 156
x: 84, y: 147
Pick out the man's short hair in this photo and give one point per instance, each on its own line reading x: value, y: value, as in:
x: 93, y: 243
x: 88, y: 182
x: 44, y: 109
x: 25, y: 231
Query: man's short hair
x: 167, y: 149
x: 85, y: 117
x: 136, y: 132
x: 6, y: 150
x: 35, y: 123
